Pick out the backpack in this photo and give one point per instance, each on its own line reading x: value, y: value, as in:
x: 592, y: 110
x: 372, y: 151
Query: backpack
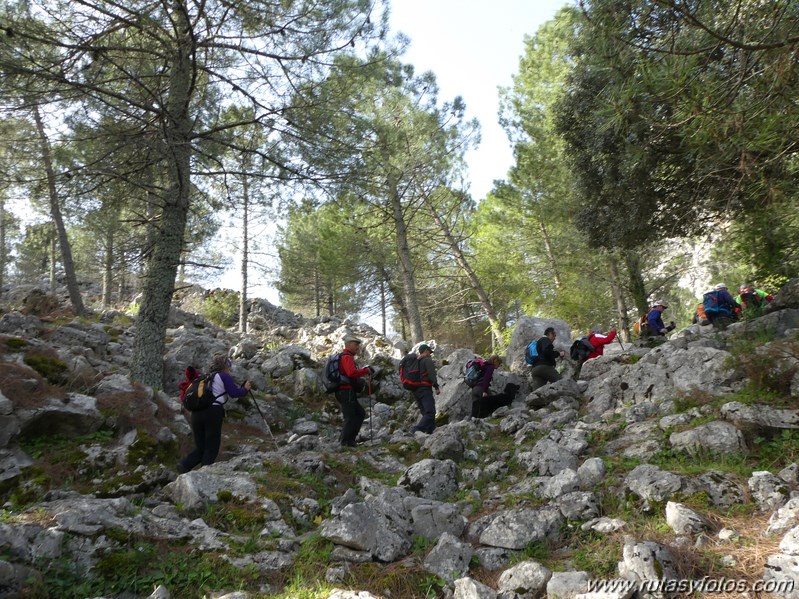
x: 641, y: 326
x: 751, y: 299
x: 200, y: 395
x: 331, y: 375
x: 531, y: 353
x: 409, y: 372
x: 712, y: 306
x: 581, y: 349
x: 473, y: 371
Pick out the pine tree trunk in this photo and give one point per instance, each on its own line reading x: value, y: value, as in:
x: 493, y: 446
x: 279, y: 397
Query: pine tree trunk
x: 3, y: 251
x: 618, y: 296
x: 159, y: 281
x: 406, y: 267
x: 108, y: 267
x: 383, y: 309
x: 636, y: 279
x: 244, y: 257
x: 485, y: 301
x: 53, y: 262
x: 550, y: 255
x: 58, y: 220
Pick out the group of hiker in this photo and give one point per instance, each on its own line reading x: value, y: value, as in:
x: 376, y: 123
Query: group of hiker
x: 719, y: 308
x: 418, y: 372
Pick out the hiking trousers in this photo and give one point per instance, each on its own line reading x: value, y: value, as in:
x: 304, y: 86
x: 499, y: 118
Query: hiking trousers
x: 427, y: 406
x: 353, y: 413
x: 206, y: 427
x: 543, y: 374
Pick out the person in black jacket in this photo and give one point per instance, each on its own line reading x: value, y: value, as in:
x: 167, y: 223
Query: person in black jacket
x: 424, y: 392
x: 544, y: 371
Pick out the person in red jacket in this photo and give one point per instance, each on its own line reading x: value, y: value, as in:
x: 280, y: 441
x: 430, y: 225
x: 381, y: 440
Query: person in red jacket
x: 347, y: 392
x: 599, y: 341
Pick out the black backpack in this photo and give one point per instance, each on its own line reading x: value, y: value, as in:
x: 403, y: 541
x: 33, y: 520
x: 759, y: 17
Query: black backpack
x: 581, y: 349
x: 750, y: 299
x: 200, y: 395
x: 409, y: 372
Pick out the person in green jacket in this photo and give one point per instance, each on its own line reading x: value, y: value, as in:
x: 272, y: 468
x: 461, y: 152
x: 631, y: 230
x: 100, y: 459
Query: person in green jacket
x: 752, y: 301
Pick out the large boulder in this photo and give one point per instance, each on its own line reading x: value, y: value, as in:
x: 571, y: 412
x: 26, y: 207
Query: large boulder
x: 529, y: 328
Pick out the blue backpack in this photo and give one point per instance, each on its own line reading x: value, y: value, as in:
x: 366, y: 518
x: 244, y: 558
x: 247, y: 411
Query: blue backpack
x: 531, y: 353
x: 710, y: 301
x: 332, y: 377
x: 473, y: 371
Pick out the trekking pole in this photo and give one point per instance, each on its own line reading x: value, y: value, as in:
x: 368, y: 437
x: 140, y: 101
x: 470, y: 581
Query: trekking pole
x: 266, y: 424
x: 370, y: 408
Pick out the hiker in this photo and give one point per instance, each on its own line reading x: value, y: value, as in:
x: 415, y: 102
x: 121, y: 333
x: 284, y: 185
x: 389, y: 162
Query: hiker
x: 347, y: 392
x: 599, y: 341
x: 543, y: 370
x: 424, y: 391
x: 654, y: 320
x: 485, y: 403
x: 720, y: 307
x: 752, y: 301
x: 206, y: 425
x: 590, y: 346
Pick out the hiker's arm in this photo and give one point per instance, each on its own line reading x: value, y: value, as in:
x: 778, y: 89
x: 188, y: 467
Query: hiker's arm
x: 429, y: 371
x: 488, y: 375
x: 347, y: 367
x: 602, y: 339
x: 231, y: 388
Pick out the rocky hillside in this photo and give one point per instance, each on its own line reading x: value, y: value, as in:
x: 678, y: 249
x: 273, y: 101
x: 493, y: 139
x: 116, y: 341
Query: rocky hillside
x: 667, y: 465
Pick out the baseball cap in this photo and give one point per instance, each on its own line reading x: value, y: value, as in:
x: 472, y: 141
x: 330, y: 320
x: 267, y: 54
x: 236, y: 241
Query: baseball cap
x: 425, y: 347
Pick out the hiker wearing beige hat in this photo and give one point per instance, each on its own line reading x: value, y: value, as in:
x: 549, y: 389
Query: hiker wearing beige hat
x: 654, y: 320
x: 347, y: 391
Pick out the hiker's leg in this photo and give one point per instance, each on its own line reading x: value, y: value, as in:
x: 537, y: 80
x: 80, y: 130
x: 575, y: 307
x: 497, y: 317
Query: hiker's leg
x: 548, y: 373
x: 477, y: 402
x: 213, y: 433
x: 198, y: 433
x: 352, y: 412
x: 427, y: 406
x: 538, y: 378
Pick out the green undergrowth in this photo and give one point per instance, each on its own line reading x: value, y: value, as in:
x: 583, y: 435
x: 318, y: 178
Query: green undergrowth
x: 15, y: 344
x: 50, y: 367
x: 137, y: 567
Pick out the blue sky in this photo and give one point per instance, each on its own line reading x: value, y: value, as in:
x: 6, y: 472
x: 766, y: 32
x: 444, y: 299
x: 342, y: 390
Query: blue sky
x: 473, y: 47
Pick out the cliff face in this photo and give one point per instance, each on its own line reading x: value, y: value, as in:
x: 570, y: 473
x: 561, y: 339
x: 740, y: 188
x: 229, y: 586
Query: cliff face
x: 671, y: 462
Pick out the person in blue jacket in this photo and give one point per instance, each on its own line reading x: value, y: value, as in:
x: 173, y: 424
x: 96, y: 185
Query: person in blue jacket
x: 720, y: 307
x: 654, y: 320
x: 206, y: 425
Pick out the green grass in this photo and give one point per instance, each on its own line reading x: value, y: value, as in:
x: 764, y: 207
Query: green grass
x: 15, y: 343
x: 137, y: 567
x: 49, y: 367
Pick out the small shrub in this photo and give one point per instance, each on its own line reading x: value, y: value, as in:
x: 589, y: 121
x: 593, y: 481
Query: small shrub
x: 50, y: 367
x: 15, y: 343
x: 221, y: 308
